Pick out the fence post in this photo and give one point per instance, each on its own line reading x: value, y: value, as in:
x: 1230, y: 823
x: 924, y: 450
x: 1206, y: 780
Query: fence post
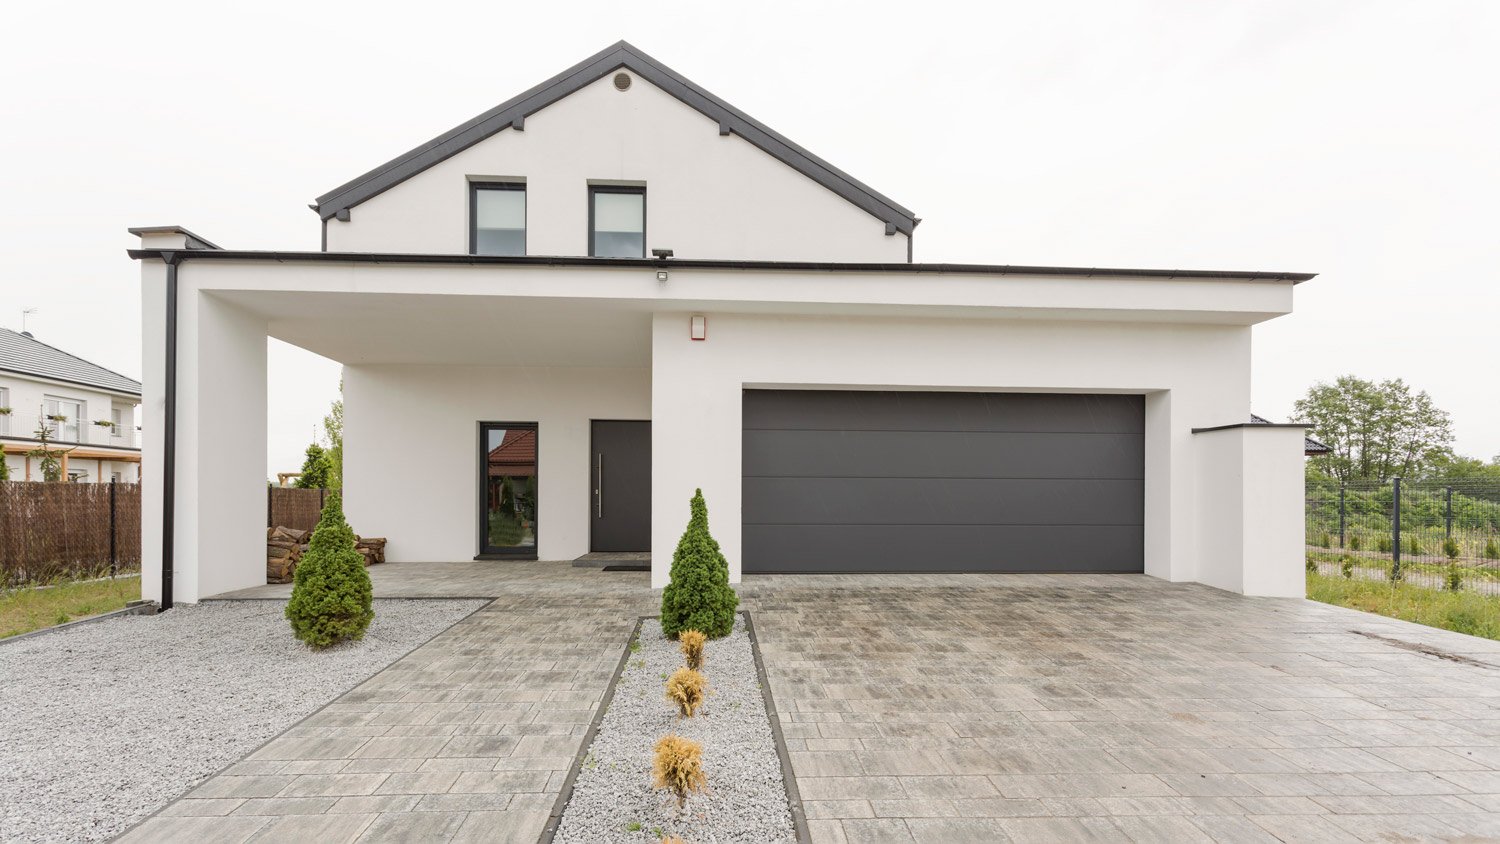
x: 1448, y: 514
x: 114, y: 560
x: 1395, y: 528
x: 1341, y: 516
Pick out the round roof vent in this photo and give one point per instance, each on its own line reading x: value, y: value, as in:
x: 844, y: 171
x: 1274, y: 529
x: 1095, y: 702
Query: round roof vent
x: 622, y: 81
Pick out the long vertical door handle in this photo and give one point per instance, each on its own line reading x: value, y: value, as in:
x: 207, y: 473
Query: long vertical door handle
x: 599, y: 490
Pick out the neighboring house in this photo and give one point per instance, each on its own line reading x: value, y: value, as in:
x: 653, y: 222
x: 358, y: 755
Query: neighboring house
x: 1310, y: 446
x: 89, y: 410
x: 616, y: 288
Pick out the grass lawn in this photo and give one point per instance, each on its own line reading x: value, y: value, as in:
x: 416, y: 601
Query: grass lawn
x: 32, y: 608
x: 1461, y: 612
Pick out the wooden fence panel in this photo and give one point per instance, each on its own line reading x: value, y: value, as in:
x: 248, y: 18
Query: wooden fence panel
x: 62, y: 530
x: 296, y: 508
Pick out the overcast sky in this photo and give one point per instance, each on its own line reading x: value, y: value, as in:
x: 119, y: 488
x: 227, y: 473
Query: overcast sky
x: 1358, y: 140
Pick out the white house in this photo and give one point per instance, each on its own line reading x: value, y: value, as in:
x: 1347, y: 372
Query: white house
x: 616, y: 288
x: 88, y: 410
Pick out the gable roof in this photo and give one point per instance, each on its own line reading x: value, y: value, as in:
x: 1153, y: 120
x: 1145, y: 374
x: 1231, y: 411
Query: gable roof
x: 513, y: 113
x: 26, y: 355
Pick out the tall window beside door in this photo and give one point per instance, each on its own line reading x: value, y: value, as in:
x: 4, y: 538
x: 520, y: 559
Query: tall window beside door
x: 497, y: 218
x: 617, y: 221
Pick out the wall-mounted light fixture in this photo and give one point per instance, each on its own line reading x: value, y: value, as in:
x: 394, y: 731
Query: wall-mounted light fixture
x: 698, y: 329
x: 661, y: 255
x: 661, y: 275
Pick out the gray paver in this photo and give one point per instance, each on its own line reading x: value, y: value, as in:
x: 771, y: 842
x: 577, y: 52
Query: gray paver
x: 945, y: 707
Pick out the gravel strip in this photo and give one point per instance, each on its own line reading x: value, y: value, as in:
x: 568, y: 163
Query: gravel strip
x: 746, y: 799
x: 103, y: 724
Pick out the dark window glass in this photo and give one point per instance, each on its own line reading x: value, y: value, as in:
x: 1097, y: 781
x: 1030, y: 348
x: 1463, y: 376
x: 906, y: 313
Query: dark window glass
x: 509, y: 506
x: 619, y: 222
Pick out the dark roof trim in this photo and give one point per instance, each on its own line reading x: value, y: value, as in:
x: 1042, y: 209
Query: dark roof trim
x: 514, y: 111
x: 194, y: 241
x: 705, y: 264
x: 1300, y: 425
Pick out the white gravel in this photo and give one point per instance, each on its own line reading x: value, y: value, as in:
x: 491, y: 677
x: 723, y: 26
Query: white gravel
x: 746, y: 799
x: 102, y: 724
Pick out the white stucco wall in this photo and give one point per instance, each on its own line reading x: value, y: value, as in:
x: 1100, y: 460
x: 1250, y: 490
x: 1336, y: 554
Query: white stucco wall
x: 411, y: 449
x: 1192, y: 375
x: 1250, y: 530
x: 707, y: 195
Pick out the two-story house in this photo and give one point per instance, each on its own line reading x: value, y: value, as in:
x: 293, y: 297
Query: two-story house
x: 87, y: 410
x: 615, y: 288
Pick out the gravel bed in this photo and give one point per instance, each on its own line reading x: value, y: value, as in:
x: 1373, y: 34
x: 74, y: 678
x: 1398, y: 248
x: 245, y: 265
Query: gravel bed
x: 103, y: 724
x: 746, y: 800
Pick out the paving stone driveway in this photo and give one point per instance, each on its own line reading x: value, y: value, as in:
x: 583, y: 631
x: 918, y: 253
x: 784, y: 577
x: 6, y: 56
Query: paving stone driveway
x: 942, y: 708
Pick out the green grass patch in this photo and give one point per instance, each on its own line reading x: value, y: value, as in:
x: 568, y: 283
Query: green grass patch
x: 1462, y: 612
x: 29, y: 608
x: 1384, y: 565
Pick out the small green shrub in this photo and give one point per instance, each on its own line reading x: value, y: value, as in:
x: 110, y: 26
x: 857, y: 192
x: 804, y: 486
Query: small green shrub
x: 1455, y: 578
x: 1450, y: 547
x: 1383, y: 544
x: 331, y: 595
x: 1312, y: 565
x: 1355, y: 543
x: 1346, y: 567
x: 1492, y: 550
x: 1326, y: 540
x: 1413, y: 547
x: 699, y: 596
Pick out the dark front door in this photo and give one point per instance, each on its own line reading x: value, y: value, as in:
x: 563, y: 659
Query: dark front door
x: 921, y: 482
x: 620, y: 495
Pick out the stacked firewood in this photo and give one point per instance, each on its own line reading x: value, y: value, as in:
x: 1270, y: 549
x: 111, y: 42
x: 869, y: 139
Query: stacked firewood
x: 371, y: 548
x: 284, y: 548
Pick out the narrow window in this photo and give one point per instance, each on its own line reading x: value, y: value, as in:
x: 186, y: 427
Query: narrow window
x: 617, y: 222
x: 497, y: 219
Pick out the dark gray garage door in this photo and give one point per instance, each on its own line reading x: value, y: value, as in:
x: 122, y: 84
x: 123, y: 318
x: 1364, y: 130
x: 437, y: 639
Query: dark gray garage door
x: 858, y: 481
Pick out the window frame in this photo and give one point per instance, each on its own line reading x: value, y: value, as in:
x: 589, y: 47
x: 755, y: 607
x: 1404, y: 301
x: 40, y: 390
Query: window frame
x: 474, y: 189
x: 594, y: 190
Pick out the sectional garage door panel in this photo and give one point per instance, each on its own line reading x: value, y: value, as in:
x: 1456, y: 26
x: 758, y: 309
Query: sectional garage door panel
x: 845, y: 481
x: 825, y: 549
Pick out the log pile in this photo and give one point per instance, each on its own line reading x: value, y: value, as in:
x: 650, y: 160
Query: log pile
x: 284, y: 548
x: 371, y: 548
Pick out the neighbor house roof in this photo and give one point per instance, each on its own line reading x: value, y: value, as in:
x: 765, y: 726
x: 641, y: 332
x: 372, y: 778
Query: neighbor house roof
x: 513, y: 113
x: 25, y: 355
x: 1311, y: 447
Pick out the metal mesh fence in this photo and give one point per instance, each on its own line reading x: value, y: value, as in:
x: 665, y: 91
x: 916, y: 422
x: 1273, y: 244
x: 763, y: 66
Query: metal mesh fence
x: 1439, y: 525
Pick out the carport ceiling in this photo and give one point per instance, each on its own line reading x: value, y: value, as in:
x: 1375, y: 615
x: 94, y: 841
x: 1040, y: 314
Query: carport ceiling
x: 367, y: 328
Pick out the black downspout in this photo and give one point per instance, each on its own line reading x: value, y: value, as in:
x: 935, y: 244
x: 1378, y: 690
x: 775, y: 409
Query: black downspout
x: 169, y: 437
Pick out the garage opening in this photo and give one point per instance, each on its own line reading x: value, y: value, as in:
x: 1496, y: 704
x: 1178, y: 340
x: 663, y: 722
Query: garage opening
x: 840, y: 481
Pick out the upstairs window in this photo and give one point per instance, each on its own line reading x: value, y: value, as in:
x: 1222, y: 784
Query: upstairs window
x: 617, y: 222
x: 497, y: 219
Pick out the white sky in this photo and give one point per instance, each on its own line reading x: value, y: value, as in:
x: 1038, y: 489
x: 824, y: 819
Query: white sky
x: 1359, y: 140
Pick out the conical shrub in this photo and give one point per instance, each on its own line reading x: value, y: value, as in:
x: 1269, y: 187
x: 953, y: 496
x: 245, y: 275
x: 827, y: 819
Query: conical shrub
x: 331, y: 596
x: 699, y: 596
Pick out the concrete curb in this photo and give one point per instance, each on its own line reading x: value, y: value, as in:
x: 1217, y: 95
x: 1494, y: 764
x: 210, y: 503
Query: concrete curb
x: 132, y: 608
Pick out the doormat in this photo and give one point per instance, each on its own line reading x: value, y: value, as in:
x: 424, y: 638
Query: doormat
x: 626, y: 568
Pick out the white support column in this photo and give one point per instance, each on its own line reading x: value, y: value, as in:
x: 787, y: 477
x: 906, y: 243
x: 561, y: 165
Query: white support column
x: 221, y: 445
x: 1250, y: 525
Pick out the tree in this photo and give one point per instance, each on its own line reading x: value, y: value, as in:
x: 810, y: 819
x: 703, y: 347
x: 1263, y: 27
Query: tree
x: 333, y: 429
x: 48, y: 458
x: 699, y: 596
x: 331, y: 594
x: 1376, y: 431
x: 314, y: 469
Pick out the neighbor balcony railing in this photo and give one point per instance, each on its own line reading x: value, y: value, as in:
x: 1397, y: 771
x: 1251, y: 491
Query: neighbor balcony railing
x: 68, y: 431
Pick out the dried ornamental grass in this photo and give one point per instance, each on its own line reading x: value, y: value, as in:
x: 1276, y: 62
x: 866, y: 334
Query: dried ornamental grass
x: 686, y: 688
x: 678, y: 767
x: 691, y: 642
